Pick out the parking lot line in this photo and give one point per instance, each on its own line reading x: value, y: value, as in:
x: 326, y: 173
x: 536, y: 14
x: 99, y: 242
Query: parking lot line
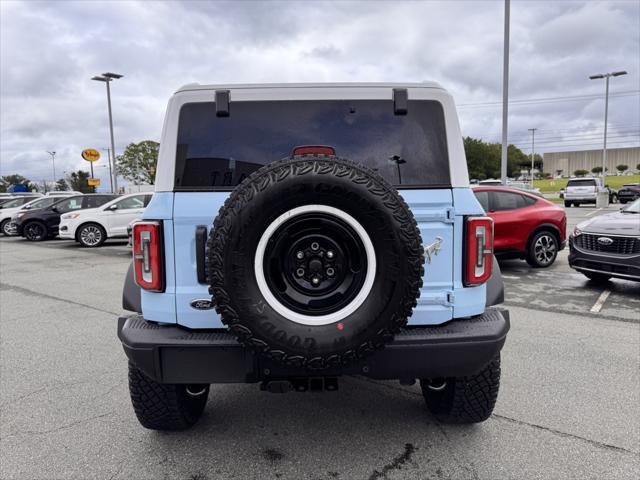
x: 600, y: 301
x: 591, y: 213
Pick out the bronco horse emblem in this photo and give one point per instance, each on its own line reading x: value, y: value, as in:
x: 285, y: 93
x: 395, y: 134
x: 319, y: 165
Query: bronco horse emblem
x: 432, y: 249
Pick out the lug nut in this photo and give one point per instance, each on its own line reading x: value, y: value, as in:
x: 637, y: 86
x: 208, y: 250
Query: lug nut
x: 300, y: 272
x: 300, y: 255
x: 330, y: 254
x: 315, y: 246
x: 315, y: 280
x: 330, y: 272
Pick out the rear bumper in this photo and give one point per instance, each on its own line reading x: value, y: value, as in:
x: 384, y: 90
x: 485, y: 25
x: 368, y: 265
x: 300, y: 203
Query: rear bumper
x: 173, y: 354
x: 580, y: 198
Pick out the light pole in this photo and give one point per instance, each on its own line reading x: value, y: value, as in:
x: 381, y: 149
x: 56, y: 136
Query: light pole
x: 53, y: 161
x: 533, y: 150
x: 505, y: 94
x: 108, y: 78
x: 108, y: 150
x: 606, y: 77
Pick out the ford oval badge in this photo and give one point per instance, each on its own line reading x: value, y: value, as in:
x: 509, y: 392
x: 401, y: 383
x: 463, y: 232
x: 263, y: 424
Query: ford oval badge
x: 202, y: 304
x: 605, y: 241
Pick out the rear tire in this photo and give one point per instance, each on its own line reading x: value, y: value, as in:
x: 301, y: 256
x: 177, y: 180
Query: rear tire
x: 542, y: 250
x: 597, y: 277
x: 91, y: 235
x: 567, y: 204
x: 35, y: 231
x: 469, y: 399
x: 161, y: 406
x: 4, y: 226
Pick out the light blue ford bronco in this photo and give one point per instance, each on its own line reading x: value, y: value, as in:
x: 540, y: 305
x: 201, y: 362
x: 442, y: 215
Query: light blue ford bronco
x: 302, y: 232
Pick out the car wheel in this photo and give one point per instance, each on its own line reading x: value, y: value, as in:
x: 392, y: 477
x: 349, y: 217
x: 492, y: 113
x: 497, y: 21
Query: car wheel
x: 543, y: 249
x: 302, y: 282
x: 35, y: 231
x: 597, y: 277
x: 91, y: 235
x: 4, y: 227
x: 567, y: 204
x: 469, y: 399
x: 160, y: 406
x: 623, y: 202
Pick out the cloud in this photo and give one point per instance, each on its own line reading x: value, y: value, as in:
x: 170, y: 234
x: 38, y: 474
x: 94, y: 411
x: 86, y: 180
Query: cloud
x: 50, y: 50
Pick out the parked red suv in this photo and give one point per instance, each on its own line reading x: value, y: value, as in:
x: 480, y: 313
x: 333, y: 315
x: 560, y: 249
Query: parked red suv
x: 525, y: 226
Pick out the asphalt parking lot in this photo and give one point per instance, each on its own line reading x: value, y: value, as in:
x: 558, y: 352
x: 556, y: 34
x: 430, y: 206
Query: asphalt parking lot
x: 568, y: 406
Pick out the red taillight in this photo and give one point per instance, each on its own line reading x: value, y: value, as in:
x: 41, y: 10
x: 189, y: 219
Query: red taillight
x: 478, y: 250
x: 147, y: 255
x: 313, y: 150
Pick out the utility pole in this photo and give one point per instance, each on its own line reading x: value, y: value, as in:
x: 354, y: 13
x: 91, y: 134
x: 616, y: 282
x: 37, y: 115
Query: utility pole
x: 533, y: 150
x: 505, y: 94
x: 606, y: 77
x: 108, y: 78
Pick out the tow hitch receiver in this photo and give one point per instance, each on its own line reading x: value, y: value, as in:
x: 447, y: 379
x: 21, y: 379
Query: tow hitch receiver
x: 303, y: 384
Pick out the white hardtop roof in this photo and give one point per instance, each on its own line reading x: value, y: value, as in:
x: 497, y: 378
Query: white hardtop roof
x: 197, y: 86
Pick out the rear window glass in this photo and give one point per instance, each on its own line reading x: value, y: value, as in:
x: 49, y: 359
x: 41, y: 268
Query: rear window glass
x: 483, y: 198
x: 587, y: 182
x: 508, y: 201
x: 217, y: 153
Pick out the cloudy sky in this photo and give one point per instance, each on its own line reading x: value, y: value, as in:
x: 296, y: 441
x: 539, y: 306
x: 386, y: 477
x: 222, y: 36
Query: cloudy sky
x: 49, y: 51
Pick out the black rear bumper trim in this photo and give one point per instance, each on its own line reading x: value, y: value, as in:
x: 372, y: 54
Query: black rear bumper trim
x: 174, y: 354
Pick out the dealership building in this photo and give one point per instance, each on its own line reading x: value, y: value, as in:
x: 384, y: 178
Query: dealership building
x: 569, y: 162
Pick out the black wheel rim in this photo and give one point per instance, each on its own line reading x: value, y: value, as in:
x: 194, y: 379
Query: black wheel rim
x: 34, y: 231
x: 315, y: 264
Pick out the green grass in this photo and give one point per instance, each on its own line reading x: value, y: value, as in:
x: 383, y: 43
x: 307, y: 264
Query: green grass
x: 614, y: 181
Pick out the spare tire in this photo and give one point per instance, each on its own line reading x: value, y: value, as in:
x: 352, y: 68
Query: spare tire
x: 314, y: 261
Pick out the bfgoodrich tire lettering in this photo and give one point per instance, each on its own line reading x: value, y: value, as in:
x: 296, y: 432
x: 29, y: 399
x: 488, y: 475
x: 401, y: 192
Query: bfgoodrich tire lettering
x: 341, y: 185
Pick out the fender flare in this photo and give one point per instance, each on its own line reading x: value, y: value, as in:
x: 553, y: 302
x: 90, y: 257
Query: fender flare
x: 495, y: 285
x: 131, y: 297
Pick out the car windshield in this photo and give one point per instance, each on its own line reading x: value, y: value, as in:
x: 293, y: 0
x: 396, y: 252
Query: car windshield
x: 41, y: 203
x: 16, y: 202
x: 632, y: 208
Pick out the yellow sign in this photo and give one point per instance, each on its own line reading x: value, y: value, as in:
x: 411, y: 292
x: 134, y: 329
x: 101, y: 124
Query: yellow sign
x: 91, y: 155
x: 93, y: 182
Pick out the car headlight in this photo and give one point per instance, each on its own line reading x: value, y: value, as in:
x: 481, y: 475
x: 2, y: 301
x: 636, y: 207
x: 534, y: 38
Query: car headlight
x: 19, y: 215
x: 576, y: 232
x: 69, y: 216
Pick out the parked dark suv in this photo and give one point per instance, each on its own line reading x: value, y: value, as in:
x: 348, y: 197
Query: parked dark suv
x: 38, y: 225
x: 629, y: 192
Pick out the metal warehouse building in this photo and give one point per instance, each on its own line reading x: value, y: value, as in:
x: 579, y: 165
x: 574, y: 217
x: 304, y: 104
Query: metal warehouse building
x: 569, y: 162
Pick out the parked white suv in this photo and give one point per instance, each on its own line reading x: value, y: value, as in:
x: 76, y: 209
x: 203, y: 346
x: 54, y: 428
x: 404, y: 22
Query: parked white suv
x: 582, y: 190
x: 93, y: 226
x: 13, y: 206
